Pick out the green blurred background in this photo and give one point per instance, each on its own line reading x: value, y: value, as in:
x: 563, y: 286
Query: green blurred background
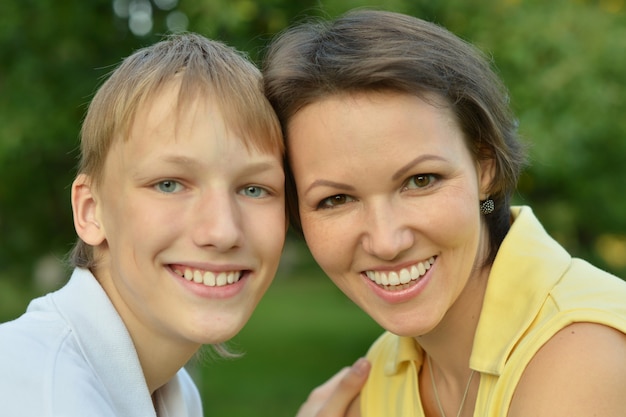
x: 563, y: 61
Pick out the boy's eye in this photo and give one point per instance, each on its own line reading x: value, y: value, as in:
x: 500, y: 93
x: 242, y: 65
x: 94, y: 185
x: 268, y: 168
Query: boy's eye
x: 169, y: 186
x: 420, y: 181
x: 254, y: 191
x: 334, y: 201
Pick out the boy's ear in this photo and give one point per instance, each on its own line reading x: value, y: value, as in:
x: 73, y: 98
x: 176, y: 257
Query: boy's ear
x: 85, y: 209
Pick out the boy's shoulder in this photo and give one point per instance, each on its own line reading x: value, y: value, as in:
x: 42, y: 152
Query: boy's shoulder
x: 39, y: 350
x: 37, y: 328
x: 36, y: 340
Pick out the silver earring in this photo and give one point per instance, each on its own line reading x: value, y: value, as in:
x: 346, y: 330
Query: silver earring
x: 487, y: 206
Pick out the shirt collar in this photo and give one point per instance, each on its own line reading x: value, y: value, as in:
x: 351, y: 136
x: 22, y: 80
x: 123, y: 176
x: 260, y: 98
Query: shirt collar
x: 406, y: 350
x: 104, y: 341
x: 528, y: 264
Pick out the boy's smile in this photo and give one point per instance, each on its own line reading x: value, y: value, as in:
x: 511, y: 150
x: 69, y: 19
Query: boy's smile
x: 208, y: 278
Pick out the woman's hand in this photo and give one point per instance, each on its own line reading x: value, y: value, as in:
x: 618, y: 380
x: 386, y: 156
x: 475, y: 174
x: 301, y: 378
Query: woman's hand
x: 336, y: 397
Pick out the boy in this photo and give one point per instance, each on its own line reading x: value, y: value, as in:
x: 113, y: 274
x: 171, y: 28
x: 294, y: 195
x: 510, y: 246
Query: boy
x: 179, y: 209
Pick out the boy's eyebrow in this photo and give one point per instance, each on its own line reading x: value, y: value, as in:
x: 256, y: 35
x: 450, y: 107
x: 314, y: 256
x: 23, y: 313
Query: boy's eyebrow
x: 259, y: 167
x: 179, y: 160
x: 249, y: 168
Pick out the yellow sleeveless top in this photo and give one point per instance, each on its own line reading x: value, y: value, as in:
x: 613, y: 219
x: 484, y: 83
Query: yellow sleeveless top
x: 535, y: 289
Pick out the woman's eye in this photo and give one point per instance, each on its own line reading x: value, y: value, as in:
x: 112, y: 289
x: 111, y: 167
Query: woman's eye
x: 254, y: 191
x: 169, y: 186
x: 334, y: 201
x: 421, y: 181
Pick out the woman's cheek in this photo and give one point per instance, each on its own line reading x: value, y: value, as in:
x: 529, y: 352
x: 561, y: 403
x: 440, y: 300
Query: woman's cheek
x: 324, y: 238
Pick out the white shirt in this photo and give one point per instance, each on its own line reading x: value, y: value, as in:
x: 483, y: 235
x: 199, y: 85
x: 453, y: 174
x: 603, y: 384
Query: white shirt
x: 70, y: 355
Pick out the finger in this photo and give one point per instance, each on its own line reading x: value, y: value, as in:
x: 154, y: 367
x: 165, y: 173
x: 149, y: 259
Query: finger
x: 346, y: 390
x: 323, y: 392
x: 333, y: 398
x: 318, y: 397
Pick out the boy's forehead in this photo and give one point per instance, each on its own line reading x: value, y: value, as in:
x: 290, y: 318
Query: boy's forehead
x: 167, y: 115
x: 163, y: 140
x: 173, y: 105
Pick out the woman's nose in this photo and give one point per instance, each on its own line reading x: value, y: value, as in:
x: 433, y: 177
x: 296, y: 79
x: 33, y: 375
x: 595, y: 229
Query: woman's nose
x: 386, y: 232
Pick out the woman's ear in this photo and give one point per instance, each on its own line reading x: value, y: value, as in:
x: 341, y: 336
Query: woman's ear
x: 86, y: 211
x: 486, y: 176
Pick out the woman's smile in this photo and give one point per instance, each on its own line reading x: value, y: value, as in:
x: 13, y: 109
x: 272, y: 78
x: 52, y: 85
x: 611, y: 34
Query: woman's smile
x: 402, y: 278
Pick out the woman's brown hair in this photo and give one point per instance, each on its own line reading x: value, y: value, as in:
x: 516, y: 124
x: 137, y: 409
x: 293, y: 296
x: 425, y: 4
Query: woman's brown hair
x: 369, y: 50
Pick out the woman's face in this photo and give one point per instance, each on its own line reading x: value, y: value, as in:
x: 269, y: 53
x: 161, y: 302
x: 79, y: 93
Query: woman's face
x: 389, y: 203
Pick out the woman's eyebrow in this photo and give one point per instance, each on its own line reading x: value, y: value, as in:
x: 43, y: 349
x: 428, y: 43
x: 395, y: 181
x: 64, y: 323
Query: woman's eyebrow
x: 427, y: 157
x: 328, y: 183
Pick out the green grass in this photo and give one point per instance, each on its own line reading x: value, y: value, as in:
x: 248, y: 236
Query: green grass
x: 303, y: 331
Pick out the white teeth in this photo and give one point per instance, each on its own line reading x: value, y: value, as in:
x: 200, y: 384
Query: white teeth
x: 394, y: 278
x: 384, y: 279
x: 220, y: 280
x: 400, y: 278
x: 405, y: 276
x: 210, y: 279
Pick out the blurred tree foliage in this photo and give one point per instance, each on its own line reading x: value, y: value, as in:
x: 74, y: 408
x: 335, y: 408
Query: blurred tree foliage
x: 563, y: 61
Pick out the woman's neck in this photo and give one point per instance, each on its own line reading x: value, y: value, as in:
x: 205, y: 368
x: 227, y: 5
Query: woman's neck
x: 450, y: 343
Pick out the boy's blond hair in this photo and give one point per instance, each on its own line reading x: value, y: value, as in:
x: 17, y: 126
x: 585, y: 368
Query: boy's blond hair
x: 206, y: 68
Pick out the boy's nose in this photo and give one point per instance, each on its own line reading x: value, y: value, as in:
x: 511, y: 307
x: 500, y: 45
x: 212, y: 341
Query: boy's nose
x: 217, y: 223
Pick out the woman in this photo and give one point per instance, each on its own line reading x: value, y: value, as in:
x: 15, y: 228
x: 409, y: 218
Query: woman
x: 402, y: 157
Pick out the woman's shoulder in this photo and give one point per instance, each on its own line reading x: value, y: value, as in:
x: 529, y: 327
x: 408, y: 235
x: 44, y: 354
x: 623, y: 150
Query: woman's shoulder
x: 580, y: 371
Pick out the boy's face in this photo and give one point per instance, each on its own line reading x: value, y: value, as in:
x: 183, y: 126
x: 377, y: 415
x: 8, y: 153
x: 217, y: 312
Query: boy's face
x: 193, y: 224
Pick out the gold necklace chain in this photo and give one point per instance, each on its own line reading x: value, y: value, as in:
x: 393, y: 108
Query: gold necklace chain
x: 432, y: 380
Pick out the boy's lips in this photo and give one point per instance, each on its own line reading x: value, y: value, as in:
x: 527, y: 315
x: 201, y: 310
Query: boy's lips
x: 402, y: 278
x: 208, y: 278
